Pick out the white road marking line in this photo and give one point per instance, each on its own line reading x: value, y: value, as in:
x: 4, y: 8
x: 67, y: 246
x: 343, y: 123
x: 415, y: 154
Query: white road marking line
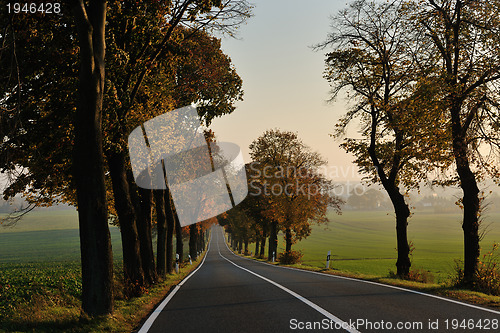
x: 149, y: 322
x: 375, y: 283
x: 325, y: 313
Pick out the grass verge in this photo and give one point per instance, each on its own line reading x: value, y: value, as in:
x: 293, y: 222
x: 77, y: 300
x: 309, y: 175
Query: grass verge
x: 44, y: 304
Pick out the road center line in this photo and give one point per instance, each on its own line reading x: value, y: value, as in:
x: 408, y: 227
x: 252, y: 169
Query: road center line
x: 325, y: 313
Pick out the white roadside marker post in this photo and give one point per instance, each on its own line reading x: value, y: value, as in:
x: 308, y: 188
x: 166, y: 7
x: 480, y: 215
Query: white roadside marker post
x: 274, y: 255
x: 190, y: 261
x: 177, y: 263
x: 328, y: 260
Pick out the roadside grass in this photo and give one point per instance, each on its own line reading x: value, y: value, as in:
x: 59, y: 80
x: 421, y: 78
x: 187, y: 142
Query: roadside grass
x: 40, y: 279
x: 46, y: 297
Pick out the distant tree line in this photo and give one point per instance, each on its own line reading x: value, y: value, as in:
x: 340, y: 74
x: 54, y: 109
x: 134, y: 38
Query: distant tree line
x: 376, y: 199
x: 9, y: 206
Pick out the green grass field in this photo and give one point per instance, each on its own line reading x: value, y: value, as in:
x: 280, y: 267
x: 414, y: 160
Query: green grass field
x: 40, y: 277
x: 365, y: 242
x: 47, y: 236
x: 43, y: 219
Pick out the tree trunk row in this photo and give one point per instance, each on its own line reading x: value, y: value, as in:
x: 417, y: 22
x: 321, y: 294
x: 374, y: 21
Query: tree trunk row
x: 240, y: 243
x: 134, y: 209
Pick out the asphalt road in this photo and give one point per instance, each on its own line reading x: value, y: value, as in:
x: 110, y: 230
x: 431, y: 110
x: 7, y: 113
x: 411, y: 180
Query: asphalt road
x: 228, y: 293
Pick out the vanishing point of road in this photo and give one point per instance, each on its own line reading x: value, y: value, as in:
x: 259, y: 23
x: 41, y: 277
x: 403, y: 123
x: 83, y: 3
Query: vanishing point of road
x: 228, y: 293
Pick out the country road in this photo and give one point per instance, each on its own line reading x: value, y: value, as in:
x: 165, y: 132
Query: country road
x: 228, y: 293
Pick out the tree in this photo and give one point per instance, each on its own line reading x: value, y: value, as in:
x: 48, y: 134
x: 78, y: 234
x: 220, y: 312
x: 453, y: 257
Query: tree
x: 36, y: 126
x: 465, y: 39
x: 193, y: 234
x: 161, y: 232
x: 254, y: 207
x: 287, y: 172
x: 375, y: 60
x: 50, y: 40
x: 239, y: 225
x: 246, y: 222
x: 157, y: 67
x: 88, y: 162
x: 9, y: 66
x: 370, y: 200
x: 139, y: 40
x: 171, y: 217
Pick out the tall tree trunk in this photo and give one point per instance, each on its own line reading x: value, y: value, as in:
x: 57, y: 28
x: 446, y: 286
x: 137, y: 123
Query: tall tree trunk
x: 402, y: 213
x: 201, y: 241
x: 88, y: 163
x: 170, y: 232
x: 263, y: 243
x: 273, y: 240
x: 257, y: 245
x: 240, y: 244
x: 161, y: 231
x: 144, y: 228
x: 262, y: 246
x: 470, y: 200
x: 288, y: 240
x: 179, y: 245
x: 401, y: 209
x: 132, y: 265
x: 245, y: 241
x: 193, y: 233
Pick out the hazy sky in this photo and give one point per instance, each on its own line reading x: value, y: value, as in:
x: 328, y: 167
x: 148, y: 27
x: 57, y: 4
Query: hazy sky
x: 283, y: 79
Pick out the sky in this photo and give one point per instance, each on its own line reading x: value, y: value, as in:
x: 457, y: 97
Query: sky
x: 283, y: 80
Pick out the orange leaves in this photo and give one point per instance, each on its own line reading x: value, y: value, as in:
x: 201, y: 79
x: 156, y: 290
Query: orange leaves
x: 286, y: 178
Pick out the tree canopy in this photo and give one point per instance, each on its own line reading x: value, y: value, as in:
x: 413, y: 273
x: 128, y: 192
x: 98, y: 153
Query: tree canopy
x: 190, y: 70
x: 286, y: 173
